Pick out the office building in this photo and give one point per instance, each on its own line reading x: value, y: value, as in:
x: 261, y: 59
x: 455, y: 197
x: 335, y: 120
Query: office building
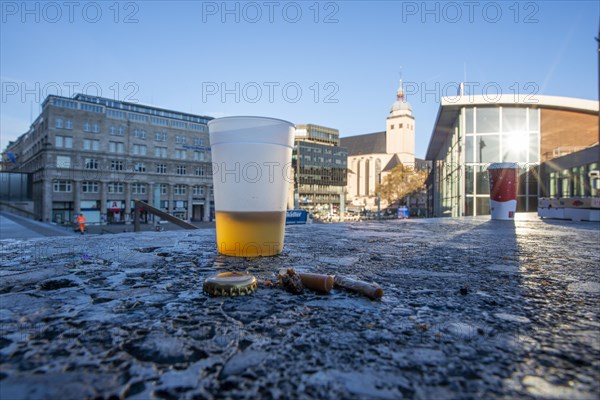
x: 320, y: 166
x: 93, y: 155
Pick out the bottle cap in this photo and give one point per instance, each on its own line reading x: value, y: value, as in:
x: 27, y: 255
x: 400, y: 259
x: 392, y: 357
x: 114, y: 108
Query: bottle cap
x: 230, y: 284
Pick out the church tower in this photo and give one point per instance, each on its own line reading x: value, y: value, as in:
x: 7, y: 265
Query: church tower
x: 400, y: 130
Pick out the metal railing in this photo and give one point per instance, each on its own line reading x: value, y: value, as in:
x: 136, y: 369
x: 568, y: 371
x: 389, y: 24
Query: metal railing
x: 159, y: 213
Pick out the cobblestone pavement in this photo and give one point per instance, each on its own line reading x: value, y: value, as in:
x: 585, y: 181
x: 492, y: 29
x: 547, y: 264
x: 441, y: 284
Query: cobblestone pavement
x: 472, y: 309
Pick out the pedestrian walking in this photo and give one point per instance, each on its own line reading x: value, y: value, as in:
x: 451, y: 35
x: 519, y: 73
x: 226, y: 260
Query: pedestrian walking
x: 81, y: 222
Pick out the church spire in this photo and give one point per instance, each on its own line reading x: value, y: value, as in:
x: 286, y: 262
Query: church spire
x: 400, y: 92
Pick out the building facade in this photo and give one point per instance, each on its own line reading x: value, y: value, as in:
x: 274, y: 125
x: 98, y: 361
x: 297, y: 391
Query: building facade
x: 576, y: 174
x: 320, y: 166
x: 94, y: 156
x: 372, y: 155
x: 471, y: 132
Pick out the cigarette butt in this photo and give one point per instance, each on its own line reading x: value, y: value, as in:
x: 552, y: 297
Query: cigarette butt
x: 318, y: 282
x: 370, y: 290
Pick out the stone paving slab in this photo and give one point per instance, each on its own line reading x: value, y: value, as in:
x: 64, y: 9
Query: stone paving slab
x: 473, y: 308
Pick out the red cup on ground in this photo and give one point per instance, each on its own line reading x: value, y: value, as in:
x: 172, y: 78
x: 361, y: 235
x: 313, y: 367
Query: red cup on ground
x: 503, y: 190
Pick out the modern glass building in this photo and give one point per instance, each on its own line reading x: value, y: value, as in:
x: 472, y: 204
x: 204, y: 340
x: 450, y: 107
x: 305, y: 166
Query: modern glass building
x: 471, y: 132
x: 320, y: 166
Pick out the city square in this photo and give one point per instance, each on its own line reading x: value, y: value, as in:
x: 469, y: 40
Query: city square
x: 299, y: 200
x: 471, y: 306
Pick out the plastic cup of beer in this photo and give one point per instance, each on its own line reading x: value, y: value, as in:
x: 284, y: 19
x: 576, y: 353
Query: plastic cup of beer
x: 252, y: 169
x: 503, y: 190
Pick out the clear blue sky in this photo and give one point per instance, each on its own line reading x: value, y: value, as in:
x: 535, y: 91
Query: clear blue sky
x: 180, y: 55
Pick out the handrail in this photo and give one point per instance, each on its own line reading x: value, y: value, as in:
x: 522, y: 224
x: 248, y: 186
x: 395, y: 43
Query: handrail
x: 26, y: 212
x: 159, y: 213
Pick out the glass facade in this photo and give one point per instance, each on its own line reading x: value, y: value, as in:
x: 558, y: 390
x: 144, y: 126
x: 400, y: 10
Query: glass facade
x: 320, y: 168
x: 574, y: 182
x: 450, y: 177
x: 480, y: 136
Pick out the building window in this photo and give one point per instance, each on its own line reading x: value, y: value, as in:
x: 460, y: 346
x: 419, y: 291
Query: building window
x: 139, y: 167
x: 160, y: 152
x: 65, y: 103
x: 514, y: 119
x: 181, y: 154
x: 121, y: 131
x: 158, y: 121
x: 139, y: 149
x: 161, y: 168
x: 515, y: 147
x: 89, y: 187
x: 565, y: 183
x: 62, y: 186
x: 92, y: 108
x: 115, y: 187
x: 199, y: 171
x: 68, y: 124
x: 196, y: 127
x: 198, y: 142
x: 358, y: 178
x: 198, y: 190
x: 488, y: 148
x: 139, y: 133
x: 58, y: 123
x: 487, y: 120
x: 180, y: 139
x: 87, y: 127
x: 63, y: 162
x: 91, y: 144
x: 112, y: 130
x: 160, y: 136
x: 138, y: 117
x: 115, y: 114
x: 116, y: 147
x: 64, y: 141
x: 138, y: 188
x: 198, y: 156
x: 96, y: 128
x: 180, y: 189
x: 181, y: 170
x: 116, y: 165
x: 91, y: 163
x: 163, y: 188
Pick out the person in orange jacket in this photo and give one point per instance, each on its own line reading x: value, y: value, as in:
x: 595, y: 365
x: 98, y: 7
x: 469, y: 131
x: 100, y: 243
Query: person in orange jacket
x: 81, y: 222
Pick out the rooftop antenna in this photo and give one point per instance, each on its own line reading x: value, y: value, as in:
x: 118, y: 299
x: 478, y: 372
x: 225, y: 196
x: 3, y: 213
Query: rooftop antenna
x: 461, y: 89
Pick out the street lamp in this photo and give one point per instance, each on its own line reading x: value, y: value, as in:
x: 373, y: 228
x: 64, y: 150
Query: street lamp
x: 379, y: 196
x: 481, y: 146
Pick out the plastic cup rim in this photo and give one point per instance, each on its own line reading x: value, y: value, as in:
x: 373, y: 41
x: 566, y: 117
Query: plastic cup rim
x: 250, y: 117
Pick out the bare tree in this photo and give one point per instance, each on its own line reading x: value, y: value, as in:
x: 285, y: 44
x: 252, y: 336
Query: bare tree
x: 400, y: 182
